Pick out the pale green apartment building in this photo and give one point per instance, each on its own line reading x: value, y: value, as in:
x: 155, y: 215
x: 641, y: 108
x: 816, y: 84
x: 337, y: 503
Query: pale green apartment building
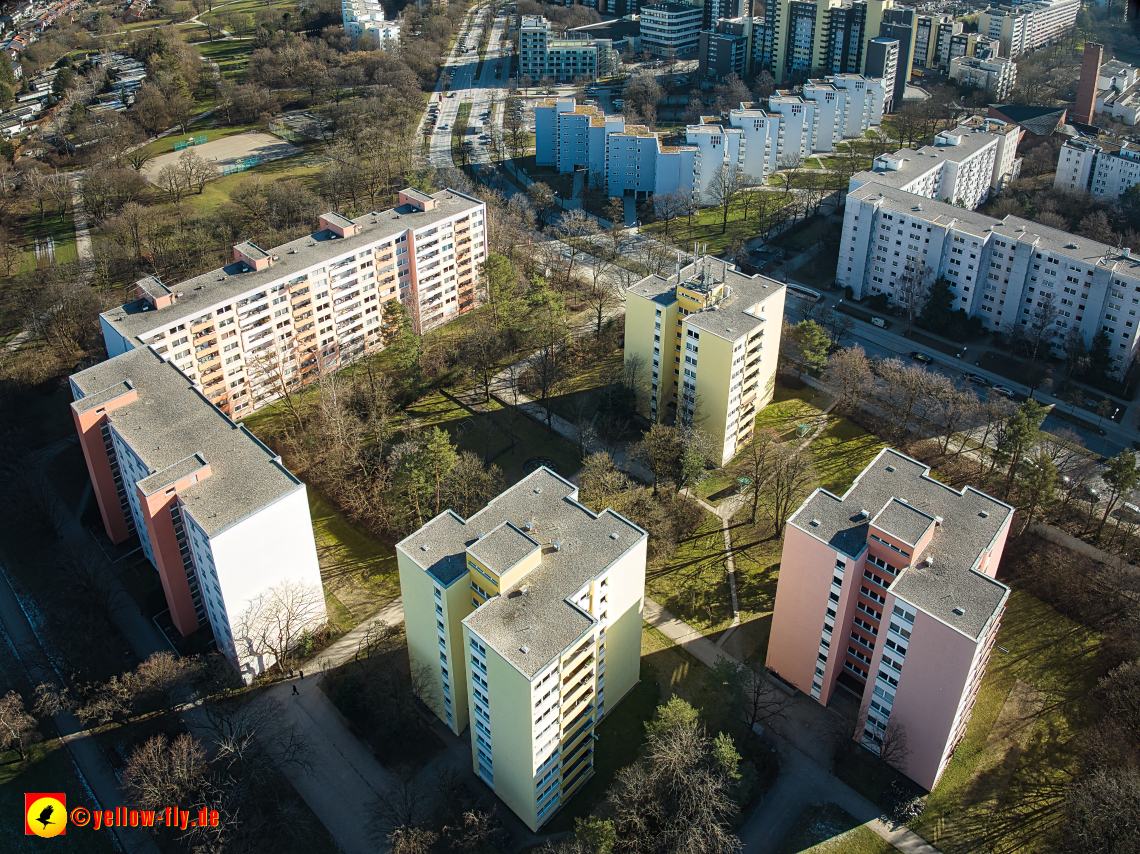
x: 705, y: 342
x: 524, y: 621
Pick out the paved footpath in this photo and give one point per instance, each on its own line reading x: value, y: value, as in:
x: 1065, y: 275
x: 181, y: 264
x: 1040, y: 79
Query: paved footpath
x: 342, y: 779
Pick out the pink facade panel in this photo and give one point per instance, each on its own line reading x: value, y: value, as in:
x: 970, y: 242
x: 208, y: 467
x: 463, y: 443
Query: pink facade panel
x: 933, y: 679
x: 802, y: 599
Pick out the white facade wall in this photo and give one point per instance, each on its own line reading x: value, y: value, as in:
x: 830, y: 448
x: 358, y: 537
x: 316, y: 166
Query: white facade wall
x: 831, y: 112
x: 799, y: 124
x: 632, y: 163
x: 1087, y: 167
x: 999, y: 273
x: 761, y: 141
x: 273, y: 546
x: 675, y: 169
x: 865, y: 99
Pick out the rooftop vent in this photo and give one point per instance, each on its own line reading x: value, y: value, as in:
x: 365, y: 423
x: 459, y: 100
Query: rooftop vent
x: 938, y: 520
x: 1070, y: 246
x: 959, y: 612
x: 815, y: 523
x: 863, y: 513
x: 525, y: 589
x: 528, y: 526
x: 984, y: 514
x: 537, y: 490
x: 524, y: 649
x: 557, y: 546
x: 928, y: 560
x: 613, y: 536
x: 425, y: 547
x: 890, y: 468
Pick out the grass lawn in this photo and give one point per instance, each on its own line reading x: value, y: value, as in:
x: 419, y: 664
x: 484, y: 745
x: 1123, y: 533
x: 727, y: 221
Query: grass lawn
x: 804, y: 235
x: 304, y: 166
x: 359, y: 572
x: 232, y: 56
x: 716, y: 487
x: 706, y: 227
x: 61, y: 230
x: 791, y: 407
x: 841, y: 451
x: 580, y: 394
x: 829, y: 829
x: 1017, y: 805
x: 692, y: 582
x: 504, y: 437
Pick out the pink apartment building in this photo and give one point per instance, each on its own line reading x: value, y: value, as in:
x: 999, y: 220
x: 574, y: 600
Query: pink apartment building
x: 215, y: 511
x: 889, y: 593
x: 285, y: 316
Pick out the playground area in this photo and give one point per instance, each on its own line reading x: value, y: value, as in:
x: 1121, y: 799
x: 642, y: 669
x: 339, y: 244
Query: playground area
x: 230, y: 154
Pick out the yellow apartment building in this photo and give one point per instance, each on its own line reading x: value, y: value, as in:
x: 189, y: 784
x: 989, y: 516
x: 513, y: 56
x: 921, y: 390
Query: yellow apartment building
x: 524, y: 623
x: 706, y: 341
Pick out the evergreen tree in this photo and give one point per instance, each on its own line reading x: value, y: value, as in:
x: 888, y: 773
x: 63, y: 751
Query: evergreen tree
x: 939, y: 308
x: 1100, y: 355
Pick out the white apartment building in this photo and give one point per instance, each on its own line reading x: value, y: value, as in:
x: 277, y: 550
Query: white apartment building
x: 636, y: 162
x: 671, y: 29
x: 1118, y: 92
x: 1000, y: 271
x: 365, y: 19
x: 1101, y: 169
x: 564, y: 60
x: 997, y: 76
x: 283, y: 317
x: 1028, y: 26
x: 215, y: 511
x: 962, y: 166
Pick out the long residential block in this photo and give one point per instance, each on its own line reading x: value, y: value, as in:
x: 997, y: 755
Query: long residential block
x: 524, y: 623
x: 890, y: 593
x: 215, y: 511
x: 275, y: 319
x: 1023, y: 27
x: 702, y: 345
x: 629, y: 160
x: 963, y: 166
x: 1002, y: 271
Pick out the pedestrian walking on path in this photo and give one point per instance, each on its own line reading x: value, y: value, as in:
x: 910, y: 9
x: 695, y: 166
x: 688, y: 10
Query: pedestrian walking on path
x: 296, y: 693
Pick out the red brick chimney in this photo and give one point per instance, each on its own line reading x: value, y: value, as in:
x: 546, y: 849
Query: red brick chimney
x: 1086, y: 92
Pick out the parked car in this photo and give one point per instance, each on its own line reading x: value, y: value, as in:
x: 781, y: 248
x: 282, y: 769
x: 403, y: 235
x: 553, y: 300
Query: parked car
x: 979, y: 380
x: 921, y: 357
x: 1003, y: 390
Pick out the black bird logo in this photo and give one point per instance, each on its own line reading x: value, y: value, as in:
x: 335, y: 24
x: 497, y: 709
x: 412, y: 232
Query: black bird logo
x: 45, y: 816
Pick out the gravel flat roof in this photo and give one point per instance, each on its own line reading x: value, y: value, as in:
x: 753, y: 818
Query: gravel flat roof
x: 534, y: 615
x: 950, y: 588
x: 173, y: 429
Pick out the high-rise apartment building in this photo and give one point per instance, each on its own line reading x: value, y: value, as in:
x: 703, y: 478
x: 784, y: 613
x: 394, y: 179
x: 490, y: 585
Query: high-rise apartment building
x: 525, y: 623
x: 963, y: 166
x: 635, y: 162
x: 996, y: 76
x: 1027, y: 26
x: 882, y: 62
x: 705, y: 343
x: 215, y: 511
x: 889, y: 593
x: 899, y: 24
x: 846, y: 37
x: 1101, y: 169
x: 365, y: 19
x: 724, y: 48
x: 563, y: 60
x: 1002, y: 271
x: 278, y: 318
x: 671, y: 29
x: 796, y: 39
x: 926, y: 38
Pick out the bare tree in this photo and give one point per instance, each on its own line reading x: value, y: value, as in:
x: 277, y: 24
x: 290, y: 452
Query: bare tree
x: 273, y: 623
x: 912, y: 288
x: 404, y: 805
x: 17, y: 727
x: 167, y: 676
x: 755, y: 463
x: 792, y: 476
x: 161, y: 772
x: 667, y: 207
x: 894, y: 749
x: 848, y: 374
x: 722, y: 189
x: 763, y: 701
x: 92, y: 576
